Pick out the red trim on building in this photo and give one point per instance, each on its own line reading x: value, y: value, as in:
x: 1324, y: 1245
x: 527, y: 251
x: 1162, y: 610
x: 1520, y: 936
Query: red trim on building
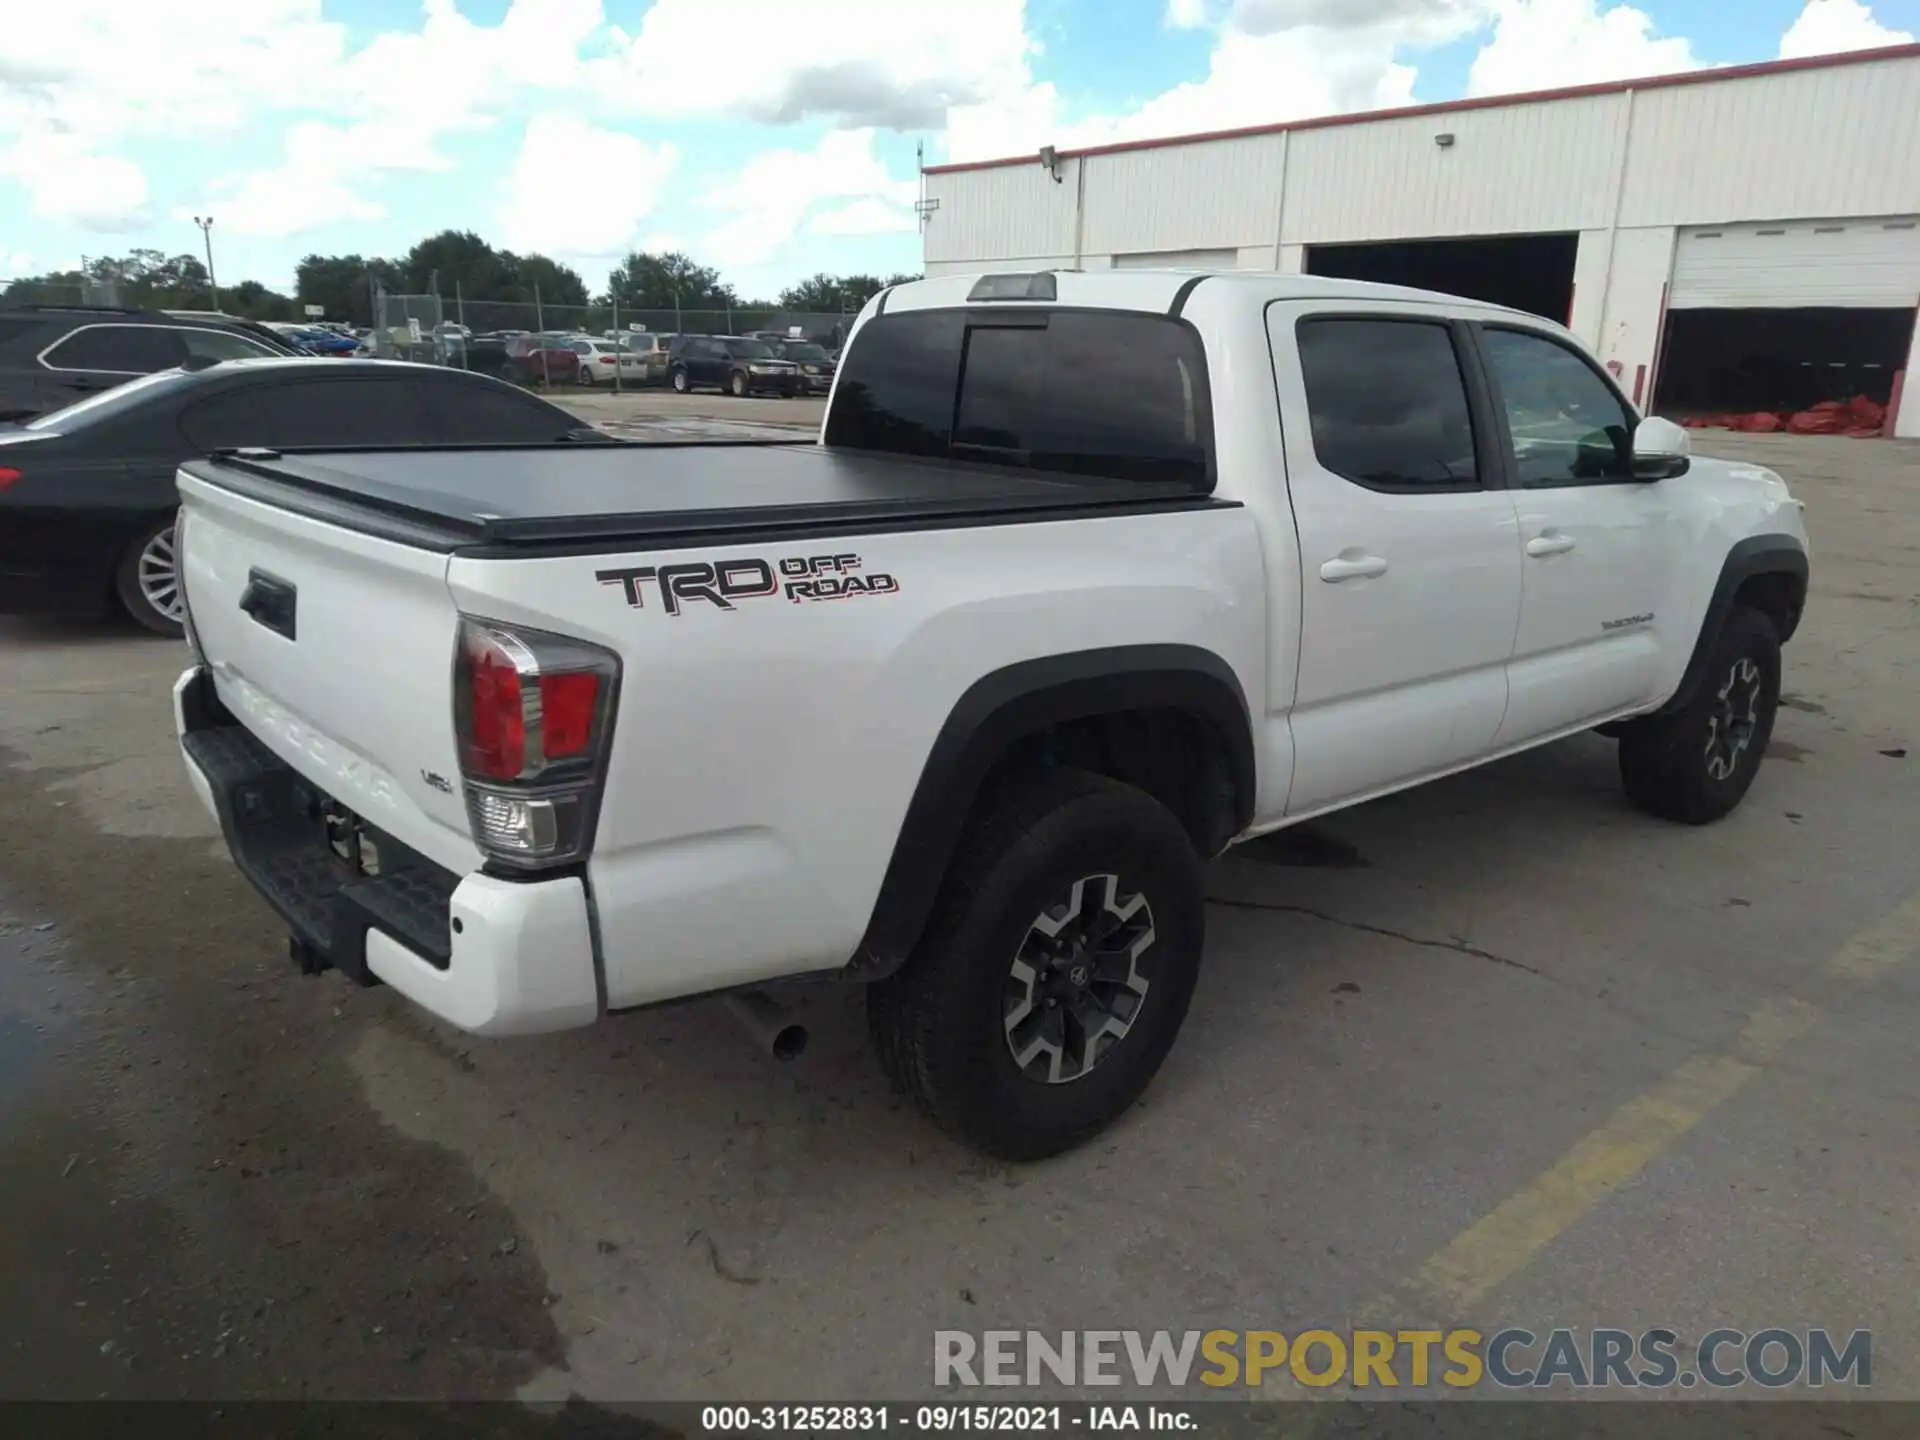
x: 1889, y: 426
x: 1639, y: 382
x: 1573, y: 299
x: 1450, y: 107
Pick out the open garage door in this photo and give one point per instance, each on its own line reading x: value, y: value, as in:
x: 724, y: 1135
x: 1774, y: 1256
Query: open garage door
x: 1781, y: 318
x: 1528, y: 272
x: 1854, y: 264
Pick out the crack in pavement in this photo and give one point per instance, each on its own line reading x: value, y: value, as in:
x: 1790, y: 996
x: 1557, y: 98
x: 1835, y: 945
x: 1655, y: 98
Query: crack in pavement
x: 1459, y: 947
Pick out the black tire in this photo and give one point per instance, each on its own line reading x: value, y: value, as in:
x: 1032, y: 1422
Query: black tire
x: 1696, y: 765
x: 682, y: 384
x: 942, y: 1024
x: 134, y: 594
x: 737, y: 385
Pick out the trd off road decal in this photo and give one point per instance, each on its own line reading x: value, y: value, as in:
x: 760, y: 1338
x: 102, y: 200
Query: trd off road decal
x: 721, y: 582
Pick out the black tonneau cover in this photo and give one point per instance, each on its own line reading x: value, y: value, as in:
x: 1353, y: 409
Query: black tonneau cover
x: 455, y: 498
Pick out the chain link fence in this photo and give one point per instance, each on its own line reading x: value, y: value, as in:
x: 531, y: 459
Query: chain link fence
x: 475, y: 334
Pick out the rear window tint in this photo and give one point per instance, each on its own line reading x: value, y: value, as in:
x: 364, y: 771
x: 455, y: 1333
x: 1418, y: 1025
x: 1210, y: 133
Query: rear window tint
x: 1103, y: 393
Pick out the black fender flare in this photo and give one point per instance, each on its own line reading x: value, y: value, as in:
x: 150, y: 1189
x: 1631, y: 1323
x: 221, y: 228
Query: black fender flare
x: 1756, y: 555
x: 1011, y: 703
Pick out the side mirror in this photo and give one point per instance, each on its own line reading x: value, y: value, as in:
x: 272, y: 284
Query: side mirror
x: 1661, y: 450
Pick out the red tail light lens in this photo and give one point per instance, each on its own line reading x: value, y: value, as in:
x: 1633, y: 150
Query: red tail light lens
x: 568, y: 704
x: 606, y: 359
x: 496, y: 740
x: 7, y: 477
x: 534, y: 715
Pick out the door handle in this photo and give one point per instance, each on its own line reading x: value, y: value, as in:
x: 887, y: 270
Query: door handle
x: 1551, y: 542
x: 1352, y: 567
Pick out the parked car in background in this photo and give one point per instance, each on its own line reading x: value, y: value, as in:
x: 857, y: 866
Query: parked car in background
x: 652, y: 350
x: 816, y: 365
x: 541, y: 359
x: 53, y: 355
x: 735, y: 364
x: 326, y: 342
x: 601, y: 361
x: 86, y: 492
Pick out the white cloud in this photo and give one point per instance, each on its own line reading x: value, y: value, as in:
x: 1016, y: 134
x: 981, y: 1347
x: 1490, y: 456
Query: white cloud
x: 1827, y: 27
x: 855, y: 63
x: 1186, y: 14
x: 15, y: 263
x: 1540, y: 44
x: 66, y: 182
x: 578, y: 191
x: 771, y: 196
x: 864, y: 217
x: 87, y: 74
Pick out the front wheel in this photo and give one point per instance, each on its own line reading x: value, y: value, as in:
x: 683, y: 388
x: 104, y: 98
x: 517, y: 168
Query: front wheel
x: 1055, y: 969
x: 681, y: 384
x: 1696, y: 765
x: 148, y: 582
x: 738, y: 385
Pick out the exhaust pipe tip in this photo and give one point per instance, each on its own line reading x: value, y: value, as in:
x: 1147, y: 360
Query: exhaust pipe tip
x: 790, y: 1042
x: 769, y: 1022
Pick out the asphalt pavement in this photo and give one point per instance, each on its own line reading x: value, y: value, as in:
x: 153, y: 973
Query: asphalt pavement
x: 1499, y: 1051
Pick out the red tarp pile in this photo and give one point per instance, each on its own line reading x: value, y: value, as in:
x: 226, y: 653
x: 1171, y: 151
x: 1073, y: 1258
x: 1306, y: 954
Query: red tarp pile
x: 1858, y: 417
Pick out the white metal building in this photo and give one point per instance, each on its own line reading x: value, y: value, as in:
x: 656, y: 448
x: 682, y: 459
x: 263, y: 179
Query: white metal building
x: 1724, y: 240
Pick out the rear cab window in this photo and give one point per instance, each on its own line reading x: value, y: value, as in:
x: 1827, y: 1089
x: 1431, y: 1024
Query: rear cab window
x: 1102, y: 393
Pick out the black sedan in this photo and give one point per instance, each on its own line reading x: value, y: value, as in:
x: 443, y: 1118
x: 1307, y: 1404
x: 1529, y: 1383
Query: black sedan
x: 87, y: 497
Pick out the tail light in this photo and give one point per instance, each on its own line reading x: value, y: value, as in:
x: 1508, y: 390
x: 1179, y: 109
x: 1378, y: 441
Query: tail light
x: 533, y: 713
x: 606, y: 359
x: 8, y: 476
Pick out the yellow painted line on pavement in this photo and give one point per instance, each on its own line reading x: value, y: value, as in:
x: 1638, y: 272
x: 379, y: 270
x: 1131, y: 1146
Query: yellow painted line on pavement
x: 1876, y: 950
x: 1509, y: 1236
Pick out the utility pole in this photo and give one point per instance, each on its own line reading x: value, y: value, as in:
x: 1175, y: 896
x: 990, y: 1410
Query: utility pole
x: 205, y: 222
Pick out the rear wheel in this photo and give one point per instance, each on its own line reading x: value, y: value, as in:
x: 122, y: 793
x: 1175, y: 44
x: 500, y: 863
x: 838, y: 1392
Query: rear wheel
x: 1055, y: 969
x: 681, y: 384
x: 1696, y: 765
x: 586, y: 375
x: 148, y: 581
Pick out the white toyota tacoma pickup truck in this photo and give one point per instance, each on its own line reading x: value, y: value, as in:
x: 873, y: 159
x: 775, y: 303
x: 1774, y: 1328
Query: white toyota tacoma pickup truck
x: 1088, y: 577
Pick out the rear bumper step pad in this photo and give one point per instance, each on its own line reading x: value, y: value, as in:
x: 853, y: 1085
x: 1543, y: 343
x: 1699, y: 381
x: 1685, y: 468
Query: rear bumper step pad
x: 272, y: 818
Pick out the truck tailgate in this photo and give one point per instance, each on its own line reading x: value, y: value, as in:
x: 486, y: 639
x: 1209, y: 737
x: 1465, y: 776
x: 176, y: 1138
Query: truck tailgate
x: 335, y: 649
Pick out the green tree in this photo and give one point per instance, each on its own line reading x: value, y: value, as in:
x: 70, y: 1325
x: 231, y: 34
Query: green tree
x: 666, y: 282
x: 342, y: 285
x: 837, y: 294
x: 559, y: 284
x: 256, y: 302
x: 457, y: 261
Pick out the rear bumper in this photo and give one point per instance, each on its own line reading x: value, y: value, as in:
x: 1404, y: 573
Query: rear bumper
x: 492, y: 956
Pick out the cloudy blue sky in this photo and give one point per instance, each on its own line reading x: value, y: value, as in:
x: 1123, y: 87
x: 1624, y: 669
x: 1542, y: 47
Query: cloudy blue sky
x: 771, y: 138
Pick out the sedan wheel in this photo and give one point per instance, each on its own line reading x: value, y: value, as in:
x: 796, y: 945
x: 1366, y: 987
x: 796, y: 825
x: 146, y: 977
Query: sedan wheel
x: 148, y: 582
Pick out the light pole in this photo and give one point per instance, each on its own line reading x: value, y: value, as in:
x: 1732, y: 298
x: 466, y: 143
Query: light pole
x: 206, y: 233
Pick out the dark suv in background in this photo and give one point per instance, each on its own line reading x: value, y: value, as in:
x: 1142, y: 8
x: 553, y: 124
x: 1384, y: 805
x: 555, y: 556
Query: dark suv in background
x: 730, y: 363
x: 53, y: 355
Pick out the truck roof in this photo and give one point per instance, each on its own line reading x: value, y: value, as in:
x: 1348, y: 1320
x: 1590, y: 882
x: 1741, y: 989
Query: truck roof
x: 1151, y: 290
x: 601, y: 496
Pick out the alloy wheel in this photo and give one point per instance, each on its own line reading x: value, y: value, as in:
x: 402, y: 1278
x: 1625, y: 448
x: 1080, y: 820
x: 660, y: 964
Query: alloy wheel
x: 157, y: 573
x: 1734, y: 718
x: 1075, y: 987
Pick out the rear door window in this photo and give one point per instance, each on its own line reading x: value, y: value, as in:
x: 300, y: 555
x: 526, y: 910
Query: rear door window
x: 223, y: 422
x: 481, y: 414
x: 1388, y: 403
x: 222, y: 345
x: 347, y: 412
x: 1104, y: 393
x: 121, y: 349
